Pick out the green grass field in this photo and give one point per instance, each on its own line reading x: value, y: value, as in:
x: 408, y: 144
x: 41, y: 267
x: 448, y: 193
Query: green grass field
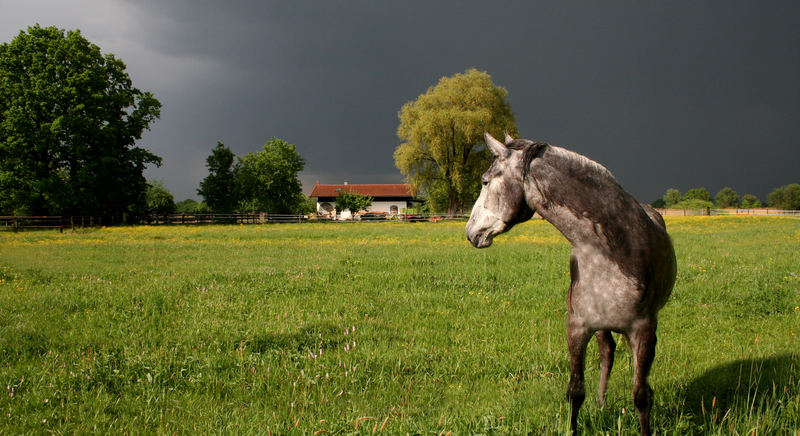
x: 379, y: 328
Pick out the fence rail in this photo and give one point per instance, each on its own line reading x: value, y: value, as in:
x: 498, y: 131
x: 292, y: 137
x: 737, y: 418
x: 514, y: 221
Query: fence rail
x: 265, y: 218
x: 712, y: 211
x: 755, y: 212
x: 18, y: 223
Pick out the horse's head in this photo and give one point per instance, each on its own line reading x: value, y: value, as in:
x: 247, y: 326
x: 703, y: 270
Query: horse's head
x: 502, y: 202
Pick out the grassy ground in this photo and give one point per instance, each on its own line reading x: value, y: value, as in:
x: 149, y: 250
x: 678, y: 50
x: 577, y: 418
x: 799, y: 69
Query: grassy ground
x: 379, y: 328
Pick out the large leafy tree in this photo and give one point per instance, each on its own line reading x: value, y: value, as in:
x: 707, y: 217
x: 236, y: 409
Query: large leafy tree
x: 219, y: 187
x: 444, y: 152
x: 267, y: 180
x: 69, y: 121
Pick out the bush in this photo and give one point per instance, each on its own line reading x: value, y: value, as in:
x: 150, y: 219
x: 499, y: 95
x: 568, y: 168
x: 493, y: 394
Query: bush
x: 697, y: 194
x: 727, y: 198
x: 693, y: 203
x: 750, y: 201
x: 159, y: 199
x: 186, y: 206
x: 671, y: 197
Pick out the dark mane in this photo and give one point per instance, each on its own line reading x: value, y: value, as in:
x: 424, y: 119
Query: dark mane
x: 532, y: 149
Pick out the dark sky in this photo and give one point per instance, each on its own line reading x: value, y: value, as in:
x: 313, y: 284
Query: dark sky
x: 664, y: 94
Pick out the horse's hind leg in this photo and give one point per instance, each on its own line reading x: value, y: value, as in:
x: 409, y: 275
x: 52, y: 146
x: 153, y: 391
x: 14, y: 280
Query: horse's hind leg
x: 606, y: 346
x: 577, y: 338
x: 643, y: 342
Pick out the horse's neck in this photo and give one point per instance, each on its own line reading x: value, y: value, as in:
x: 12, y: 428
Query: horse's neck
x: 579, y: 230
x: 582, y: 200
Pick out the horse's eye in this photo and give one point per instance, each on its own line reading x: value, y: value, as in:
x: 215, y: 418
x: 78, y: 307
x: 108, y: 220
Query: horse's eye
x: 484, y: 182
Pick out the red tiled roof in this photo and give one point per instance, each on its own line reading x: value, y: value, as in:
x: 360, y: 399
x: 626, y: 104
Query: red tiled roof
x: 383, y: 190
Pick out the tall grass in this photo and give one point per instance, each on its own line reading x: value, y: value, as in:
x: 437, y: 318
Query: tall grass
x: 379, y: 328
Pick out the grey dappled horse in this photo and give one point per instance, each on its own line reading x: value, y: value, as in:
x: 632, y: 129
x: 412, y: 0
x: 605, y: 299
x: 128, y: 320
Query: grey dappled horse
x: 622, y: 267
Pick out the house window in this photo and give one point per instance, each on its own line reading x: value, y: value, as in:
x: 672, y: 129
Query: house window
x: 326, y: 207
x: 393, y: 210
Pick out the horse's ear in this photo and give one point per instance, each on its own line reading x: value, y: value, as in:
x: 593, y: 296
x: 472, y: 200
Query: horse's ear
x: 496, y: 147
x: 509, y: 139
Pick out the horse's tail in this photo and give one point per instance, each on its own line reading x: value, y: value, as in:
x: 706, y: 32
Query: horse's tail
x: 654, y: 216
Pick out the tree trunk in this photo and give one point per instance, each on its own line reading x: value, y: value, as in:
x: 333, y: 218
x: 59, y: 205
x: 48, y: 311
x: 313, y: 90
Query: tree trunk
x: 452, y: 204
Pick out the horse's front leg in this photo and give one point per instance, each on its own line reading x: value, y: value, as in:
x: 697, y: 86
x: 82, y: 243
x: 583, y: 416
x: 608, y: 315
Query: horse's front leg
x: 577, y: 339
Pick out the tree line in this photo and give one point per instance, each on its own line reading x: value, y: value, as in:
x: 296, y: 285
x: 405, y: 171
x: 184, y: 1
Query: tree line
x: 786, y: 197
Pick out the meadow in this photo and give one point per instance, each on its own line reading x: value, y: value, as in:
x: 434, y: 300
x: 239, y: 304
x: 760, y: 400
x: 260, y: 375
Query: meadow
x: 379, y: 328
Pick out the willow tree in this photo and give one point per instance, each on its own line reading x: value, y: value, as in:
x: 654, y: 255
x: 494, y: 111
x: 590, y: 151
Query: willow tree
x: 444, y: 152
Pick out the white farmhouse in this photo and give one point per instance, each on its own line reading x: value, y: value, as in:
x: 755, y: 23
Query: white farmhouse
x: 388, y: 198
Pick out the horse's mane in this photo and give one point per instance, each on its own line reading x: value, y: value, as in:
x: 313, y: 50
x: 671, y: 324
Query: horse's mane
x: 584, y: 161
x: 534, y: 149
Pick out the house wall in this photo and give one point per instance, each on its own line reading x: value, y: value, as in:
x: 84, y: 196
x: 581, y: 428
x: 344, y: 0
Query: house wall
x: 377, y: 206
x: 386, y: 206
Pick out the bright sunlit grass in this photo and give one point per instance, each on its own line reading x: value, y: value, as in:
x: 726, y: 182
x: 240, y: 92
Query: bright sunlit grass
x: 379, y: 328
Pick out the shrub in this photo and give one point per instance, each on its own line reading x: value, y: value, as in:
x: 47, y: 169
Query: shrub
x: 727, y: 198
x: 750, y: 201
x: 693, y: 203
x: 786, y: 197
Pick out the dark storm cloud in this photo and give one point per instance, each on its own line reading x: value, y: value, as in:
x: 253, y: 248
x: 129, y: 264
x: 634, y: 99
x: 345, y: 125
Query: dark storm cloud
x: 681, y: 94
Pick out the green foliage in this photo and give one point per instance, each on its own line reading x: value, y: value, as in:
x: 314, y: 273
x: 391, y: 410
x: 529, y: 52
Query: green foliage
x: 786, y: 197
x: 219, y: 187
x: 443, y: 154
x: 218, y: 329
x: 308, y: 205
x: 192, y: 206
x: 693, y: 203
x: 727, y: 198
x: 352, y: 201
x: 247, y: 206
x: 202, y: 207
x: 671, y: 197
x: 697, y: 194
x: 186, y: 206
x: 750, y: 201
x: 159, y: 199
x: 267, y: 180
x: 69, y: 120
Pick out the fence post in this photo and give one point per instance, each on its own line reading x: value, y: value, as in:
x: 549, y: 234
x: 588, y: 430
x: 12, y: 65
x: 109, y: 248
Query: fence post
x: 16, y: 228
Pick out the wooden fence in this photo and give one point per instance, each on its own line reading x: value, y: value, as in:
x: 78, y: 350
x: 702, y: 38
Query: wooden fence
x: 266, y: 218
x: 18, y: 223
x: 712, y: 211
